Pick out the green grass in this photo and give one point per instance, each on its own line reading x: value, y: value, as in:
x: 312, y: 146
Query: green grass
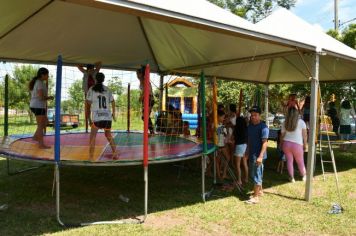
x: 175, y: 206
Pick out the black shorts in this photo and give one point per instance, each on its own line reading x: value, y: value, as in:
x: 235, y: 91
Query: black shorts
x: 38, y: 111
x: 103, y: 124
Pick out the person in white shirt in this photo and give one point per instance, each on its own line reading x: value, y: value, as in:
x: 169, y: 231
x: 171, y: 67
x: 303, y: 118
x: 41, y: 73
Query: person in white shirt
x: 38, y: 104
x: 294, y: 140
x: 89, y: 75
x: 98, y: 101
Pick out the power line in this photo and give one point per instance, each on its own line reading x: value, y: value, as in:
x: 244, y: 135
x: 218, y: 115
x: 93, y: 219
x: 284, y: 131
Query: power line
x: 347, y: 21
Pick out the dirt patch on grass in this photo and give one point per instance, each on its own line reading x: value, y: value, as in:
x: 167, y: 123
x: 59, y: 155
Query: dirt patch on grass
x: 164, y: 221
x: 352, y: 195
x: 189, y: 226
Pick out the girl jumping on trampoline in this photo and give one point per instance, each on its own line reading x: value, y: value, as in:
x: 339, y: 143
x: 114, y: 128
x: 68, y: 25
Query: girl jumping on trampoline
x: 292, y: 102
x: 38, y: 104
x: 98, y: 99
x: 141, y: 77
x: 89, y: 75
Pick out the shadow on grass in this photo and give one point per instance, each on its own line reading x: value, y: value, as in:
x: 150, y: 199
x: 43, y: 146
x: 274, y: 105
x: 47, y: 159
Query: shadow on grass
x: 89, y: 194
x: 92, y: 194
x: 284, y: 196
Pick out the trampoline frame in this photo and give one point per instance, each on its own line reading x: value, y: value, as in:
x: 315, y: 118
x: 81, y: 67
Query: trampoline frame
x: 58, y: 163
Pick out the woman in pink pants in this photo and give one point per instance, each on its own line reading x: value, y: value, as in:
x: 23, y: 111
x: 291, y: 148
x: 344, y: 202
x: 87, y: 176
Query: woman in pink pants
x: 294, y: 138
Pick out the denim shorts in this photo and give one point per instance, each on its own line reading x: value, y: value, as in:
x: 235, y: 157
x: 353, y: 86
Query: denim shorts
x: 256, y: 172
x: 240, y: 150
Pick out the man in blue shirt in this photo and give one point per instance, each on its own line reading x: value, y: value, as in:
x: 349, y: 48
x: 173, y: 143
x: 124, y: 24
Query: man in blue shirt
x: 256, y: 151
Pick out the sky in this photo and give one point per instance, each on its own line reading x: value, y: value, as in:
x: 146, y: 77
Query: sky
x: 321, y: 12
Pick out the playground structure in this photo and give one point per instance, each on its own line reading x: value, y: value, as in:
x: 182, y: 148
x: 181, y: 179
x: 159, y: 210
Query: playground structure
x: 183, y: 96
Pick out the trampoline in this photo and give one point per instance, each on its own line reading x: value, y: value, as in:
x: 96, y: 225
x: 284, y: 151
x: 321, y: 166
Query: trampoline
x: 75, y: 149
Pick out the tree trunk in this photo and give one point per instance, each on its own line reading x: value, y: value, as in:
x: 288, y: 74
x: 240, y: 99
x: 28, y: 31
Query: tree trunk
x: 30, y: 114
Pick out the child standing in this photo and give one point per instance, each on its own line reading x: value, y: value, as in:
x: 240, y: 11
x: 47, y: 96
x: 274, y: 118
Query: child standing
x: 98, y: 98
x: 89, y: 75
x: 240, y: 134
x: 281, y: 156
x: 222, y: 150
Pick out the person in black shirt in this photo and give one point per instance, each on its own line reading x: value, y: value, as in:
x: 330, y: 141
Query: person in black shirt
x: 240, y: 134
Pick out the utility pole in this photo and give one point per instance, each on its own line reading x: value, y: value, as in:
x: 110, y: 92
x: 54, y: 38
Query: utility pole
x: 336, y: 16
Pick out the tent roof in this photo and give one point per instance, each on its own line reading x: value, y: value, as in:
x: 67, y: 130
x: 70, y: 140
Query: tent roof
x: 176, y: 36
x: 169, y: 35
x: 283, y: 23
x: 337, y: 61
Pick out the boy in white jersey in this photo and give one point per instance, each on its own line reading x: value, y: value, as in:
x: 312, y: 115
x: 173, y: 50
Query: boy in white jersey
x: 98, y: 100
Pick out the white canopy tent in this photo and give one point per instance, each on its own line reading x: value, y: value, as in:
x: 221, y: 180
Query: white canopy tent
x: 125, y: 34
x: 176, y: 36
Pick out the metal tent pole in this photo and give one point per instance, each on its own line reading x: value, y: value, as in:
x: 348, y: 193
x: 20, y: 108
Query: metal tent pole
x: 312, y: 123
x: 161, y: 79
x: 205, y: 145
x: 128, y: 106
x: 266, y: 104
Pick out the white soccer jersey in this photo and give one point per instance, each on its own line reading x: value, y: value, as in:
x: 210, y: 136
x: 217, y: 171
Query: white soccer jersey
x: 100, y: 104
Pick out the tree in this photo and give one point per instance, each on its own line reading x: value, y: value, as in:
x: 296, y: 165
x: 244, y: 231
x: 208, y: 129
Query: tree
x: 228, y: 92
x: 115, y: 85
x: 349, y: 36
x: 76, y: 96
x: 253, y: 10
x: 19, y: 94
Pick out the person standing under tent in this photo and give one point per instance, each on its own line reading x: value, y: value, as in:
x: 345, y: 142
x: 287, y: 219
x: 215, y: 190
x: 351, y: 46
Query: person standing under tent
x: 240, y: 135
x: 306, y: 110
x: 232, y: 114
x: 222, y: 151
x: 332, y: 113
x: 347, y: 116
x: 38, y: 103
x: 256, y: 151
x: 281, y: 156
x: 230, y: 125
x: 141, y: 77
x: 98, y: 99
x: 89, y: 75
x: 294, y: 142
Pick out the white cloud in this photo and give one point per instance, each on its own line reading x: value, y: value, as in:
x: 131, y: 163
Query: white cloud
x: 318, y: 27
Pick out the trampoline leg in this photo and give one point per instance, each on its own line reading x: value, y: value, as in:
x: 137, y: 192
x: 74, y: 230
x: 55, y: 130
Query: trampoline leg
x: 146, y: 192
x: 19, y: 171
x: 58, y: 195
x: 203, y: 165
x: 58, y: 207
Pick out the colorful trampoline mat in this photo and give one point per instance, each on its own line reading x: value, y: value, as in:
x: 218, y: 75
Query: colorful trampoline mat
x: 75, y: 147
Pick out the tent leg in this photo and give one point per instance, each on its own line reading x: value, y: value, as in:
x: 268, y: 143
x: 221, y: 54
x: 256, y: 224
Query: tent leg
x: 214, y: 167
x: 313, y: 119
x: 146, y: 192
